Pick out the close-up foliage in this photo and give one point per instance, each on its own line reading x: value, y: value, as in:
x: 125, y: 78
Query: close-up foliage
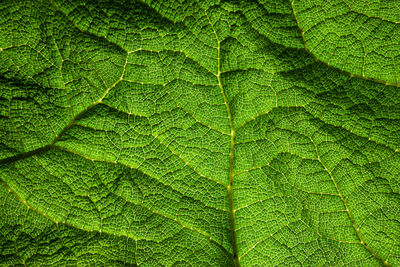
x: 200, y: 133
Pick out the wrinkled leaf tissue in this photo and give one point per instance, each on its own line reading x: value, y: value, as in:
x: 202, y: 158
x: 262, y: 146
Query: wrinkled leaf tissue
x: 196, y: 133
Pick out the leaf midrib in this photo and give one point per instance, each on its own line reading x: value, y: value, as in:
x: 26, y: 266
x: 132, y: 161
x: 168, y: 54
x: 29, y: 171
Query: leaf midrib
x: 231, y: 147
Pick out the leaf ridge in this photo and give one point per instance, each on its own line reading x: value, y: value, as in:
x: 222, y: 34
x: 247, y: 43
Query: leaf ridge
x: 121, y: 164
x: 396, y: 84
x: 343, y: 199
x: 100, y: 231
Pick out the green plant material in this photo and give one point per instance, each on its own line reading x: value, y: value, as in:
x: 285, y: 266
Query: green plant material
x: 200, y: 133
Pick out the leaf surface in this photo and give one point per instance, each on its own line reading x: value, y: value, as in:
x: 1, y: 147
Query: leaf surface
x: 198, y: 133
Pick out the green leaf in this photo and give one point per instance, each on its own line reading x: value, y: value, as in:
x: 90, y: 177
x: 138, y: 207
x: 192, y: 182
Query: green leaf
x: 196, y: 133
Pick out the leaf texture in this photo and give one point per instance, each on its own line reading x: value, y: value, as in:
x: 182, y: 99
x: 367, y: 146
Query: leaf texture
x: 196, y: 133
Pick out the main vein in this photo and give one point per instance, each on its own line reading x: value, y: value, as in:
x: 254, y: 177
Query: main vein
x: 231, y: 159
x: 231, y: 147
